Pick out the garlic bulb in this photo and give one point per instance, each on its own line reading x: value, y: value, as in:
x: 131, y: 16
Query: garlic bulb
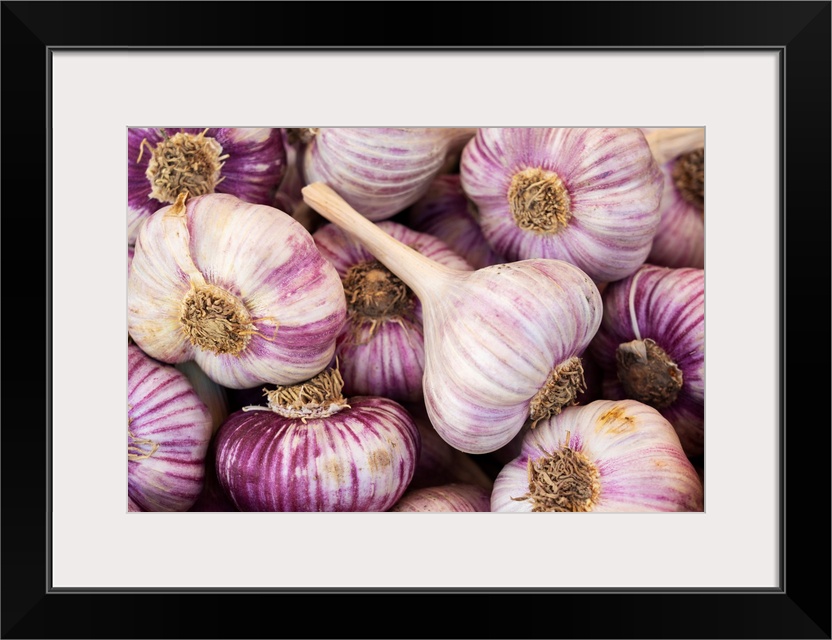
x: 501, y: 343
x: 606, y: 456
x: 380, y: 171
x: 680, y: 237
x: 238, y: 287
x: 651, y: 346
x: 132, y: 506
x: 311, y: 449
x: 212, y: 394
x: 380, y: 349
x: 168, y: 431
x: 448, y: 498
x: 587, y: 196
x: 448, y: 214
x: 163, y: 162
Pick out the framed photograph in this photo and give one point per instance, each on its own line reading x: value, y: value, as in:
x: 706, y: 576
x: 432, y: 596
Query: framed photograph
x: 753, y: 564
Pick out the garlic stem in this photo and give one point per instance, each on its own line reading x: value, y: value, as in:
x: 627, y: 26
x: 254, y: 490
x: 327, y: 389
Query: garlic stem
x: 423, y: 275
x: 632, y: 305
x: 667, y: 144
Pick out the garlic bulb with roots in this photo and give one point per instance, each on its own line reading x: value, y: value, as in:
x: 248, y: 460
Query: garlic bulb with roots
x: 501, y: 343
x: 238, y: 287
x: 162, y: 162
x: 380, y: 349
x: 606, y: 456
x: 380, y: 171
x: 651, y: 346
x: 587, y: 196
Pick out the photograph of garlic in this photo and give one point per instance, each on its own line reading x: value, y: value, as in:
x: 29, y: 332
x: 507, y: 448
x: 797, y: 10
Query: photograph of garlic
x: 411, y: 320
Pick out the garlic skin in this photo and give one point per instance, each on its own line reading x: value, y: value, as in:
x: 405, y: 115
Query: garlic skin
x: 278, y: 304
x: 445, y: 212
x: 502, y: 343
x: 380, y: 171
x: 168, y: 431
x: 212, y: 394
x: 651, y: 346
x: 448, y: 498
x: 380, y: 349
x: 680, y: 237
x: 245, y: 162
x: 607, y: 456
x: 311, y: 449
x: 586, y: 196
x: 132, y: 506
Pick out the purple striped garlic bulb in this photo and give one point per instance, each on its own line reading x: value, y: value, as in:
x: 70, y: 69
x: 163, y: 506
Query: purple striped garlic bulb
x: 380, y: 171
x: 168, y: 432
x: 606, y: 456
x: 448, y: 214
x: 651, y: 346
x: 312, y: 449
x: 586, y: 196
x: 246, y: 162
x: 239, y: 288
x: 502, y: 343
x: 447, y: 498
x: 380, y: 349
x: 680, y: 237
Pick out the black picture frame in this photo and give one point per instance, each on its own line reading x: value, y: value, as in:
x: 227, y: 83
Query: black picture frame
x: 799, y: 608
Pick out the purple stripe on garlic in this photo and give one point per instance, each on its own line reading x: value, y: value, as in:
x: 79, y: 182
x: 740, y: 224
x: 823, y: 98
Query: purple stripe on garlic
x: 278, y: 305
x: 608, y: 456
x: 651, y: 346
x: 587, y: 196
x: 380, y: 350
x: 380, y: 171
x: 168, y: 431
x: 245, y: 162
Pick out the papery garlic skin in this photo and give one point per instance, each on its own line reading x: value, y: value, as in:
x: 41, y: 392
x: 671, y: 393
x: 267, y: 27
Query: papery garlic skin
x: 381, y: 353
x: 448, y: 498
x: 247, y: 162
x: 499, y: 352
x: 587, y: 196
x: 680, y: 237
x: 268, y: 265
x: 666, y: 306
x: 380, y: 171
x: 448, y: 214
x: 168, y: 431
x: 361, y: 458
x: 632, y: 462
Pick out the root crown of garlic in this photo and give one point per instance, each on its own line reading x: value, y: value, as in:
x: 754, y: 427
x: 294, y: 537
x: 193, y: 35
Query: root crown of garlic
x: 184, y: 162
x: 647, y: 373
x: 562, y: 388
x: 318, y: 397
x: 373, y: 291
x: 689, y: 176
x: 539, y: 201
x: 563, y: 481
x: 215, y: 320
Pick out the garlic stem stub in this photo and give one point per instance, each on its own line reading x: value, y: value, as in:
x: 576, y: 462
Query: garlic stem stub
x: 607, y: 456
x: 586, y: 196
x: 380, y: 171
x: 312, y: 449
x: 239, y: 288
x: 502, y: 343
x: 163, y: 162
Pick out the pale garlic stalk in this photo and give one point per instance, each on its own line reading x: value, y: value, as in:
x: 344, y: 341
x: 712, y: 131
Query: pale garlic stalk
x: 667, y: 144
x: 501, y: 343
x: 380, y: 171
x: 238, y: 287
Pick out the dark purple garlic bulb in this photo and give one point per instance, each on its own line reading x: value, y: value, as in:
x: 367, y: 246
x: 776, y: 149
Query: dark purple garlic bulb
x: 447, y: 498
x: 312, y: 449
x: 380, y: 348
x: 168, y: 431
x: 162, y: 162
x: 445, y: 212
x: 651, y: 346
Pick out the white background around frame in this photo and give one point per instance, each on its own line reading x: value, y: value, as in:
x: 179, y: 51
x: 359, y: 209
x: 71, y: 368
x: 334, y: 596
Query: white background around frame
x: 97, y: 95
